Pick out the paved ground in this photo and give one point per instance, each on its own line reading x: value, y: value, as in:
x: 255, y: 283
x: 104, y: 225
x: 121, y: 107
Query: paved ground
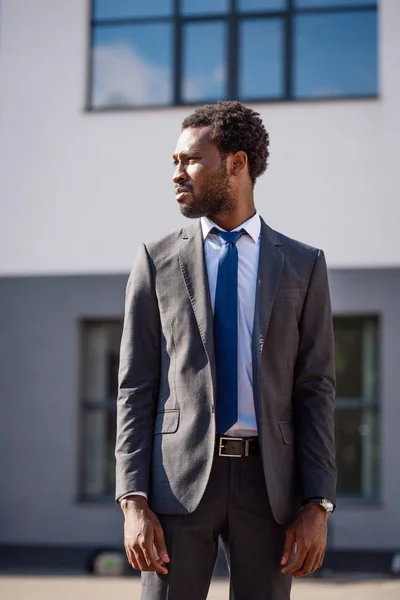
x: 88, y: 588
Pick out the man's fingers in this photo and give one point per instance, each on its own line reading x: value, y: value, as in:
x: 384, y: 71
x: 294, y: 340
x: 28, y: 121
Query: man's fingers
x: 160, y: 545
x: 135, y: 565
x: 133, y: 562
x: 140, y: 559
x: 307, y: 566
x: 320, y: 560
x: 288, y: 547
x: 317, y: 562
x: 131, y: 557
x: 152, y: 563
x: 314, y: 566
x: 144, y: 542
x: 298, y: 561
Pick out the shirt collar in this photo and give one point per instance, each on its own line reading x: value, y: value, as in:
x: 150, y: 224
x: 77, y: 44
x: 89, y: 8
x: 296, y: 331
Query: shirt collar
x: 252, y: 226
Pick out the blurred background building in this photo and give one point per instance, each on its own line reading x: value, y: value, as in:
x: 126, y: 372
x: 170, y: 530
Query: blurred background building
x: 91, y: 101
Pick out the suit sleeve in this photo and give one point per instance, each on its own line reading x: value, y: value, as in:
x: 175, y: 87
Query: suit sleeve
x: 138, y: 380
x: 314, y: 390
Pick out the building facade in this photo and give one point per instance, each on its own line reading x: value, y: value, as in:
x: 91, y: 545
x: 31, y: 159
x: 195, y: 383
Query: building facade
x: 91, y: 101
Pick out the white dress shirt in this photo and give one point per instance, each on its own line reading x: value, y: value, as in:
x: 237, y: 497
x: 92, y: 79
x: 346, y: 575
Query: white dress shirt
x: 248, y: 254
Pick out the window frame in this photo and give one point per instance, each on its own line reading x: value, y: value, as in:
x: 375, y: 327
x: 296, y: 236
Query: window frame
x: 232, y: 18
x: 109, y: 406
x: 363, y: 403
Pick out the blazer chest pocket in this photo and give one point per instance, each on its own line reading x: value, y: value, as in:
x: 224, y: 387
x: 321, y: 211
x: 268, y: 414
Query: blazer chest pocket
x: 167, y: 421
x: 287, y: 433
x: 289, y: 293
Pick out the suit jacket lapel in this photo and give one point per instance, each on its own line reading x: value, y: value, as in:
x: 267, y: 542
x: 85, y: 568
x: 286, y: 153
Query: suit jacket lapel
x: 193, y: 266
x: 270, y: 269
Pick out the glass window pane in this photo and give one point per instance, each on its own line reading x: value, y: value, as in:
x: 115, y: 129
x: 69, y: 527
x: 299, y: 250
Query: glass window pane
x: 259, y: 5
x: 357, y: 452
x: 100, y: 353
x: 327, y: 3
x: 204, y: 62
x: 335, y: 54
x: 124, y: 9
x: 100, y: 357
x: 99, y: 431
x: 261, y: 58
x: 129, y: 69
x: 208, y: 7
x: 357, y: 360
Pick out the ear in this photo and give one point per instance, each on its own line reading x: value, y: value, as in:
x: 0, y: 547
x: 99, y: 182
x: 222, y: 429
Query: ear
x: 239, y: 163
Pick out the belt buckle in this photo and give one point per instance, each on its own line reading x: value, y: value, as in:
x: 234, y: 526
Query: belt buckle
x: 221, y: 446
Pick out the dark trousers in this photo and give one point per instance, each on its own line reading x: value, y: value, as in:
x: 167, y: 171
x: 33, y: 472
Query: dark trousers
x: 234, y: 507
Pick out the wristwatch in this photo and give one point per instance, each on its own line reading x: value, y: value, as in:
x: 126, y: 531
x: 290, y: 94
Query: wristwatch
x: 323, y: 502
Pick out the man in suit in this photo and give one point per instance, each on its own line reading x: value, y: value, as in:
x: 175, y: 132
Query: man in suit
x: 226, y: 383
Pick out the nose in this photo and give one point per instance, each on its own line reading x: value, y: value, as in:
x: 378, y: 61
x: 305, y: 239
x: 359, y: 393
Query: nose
x: 180, y: 174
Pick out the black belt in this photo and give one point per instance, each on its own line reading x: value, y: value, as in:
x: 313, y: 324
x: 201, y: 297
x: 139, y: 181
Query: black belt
x: 237, y: 447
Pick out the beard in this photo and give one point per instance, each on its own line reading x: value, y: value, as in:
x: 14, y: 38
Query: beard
x: 215, y: 197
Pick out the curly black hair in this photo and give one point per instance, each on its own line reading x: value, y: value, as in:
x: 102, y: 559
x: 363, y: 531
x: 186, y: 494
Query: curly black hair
x: 235, y: 127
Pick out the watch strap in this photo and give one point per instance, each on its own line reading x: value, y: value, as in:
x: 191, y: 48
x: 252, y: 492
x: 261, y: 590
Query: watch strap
x: 325, y: 503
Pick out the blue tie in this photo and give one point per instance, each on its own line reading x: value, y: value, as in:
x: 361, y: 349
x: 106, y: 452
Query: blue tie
x: 226, y: 330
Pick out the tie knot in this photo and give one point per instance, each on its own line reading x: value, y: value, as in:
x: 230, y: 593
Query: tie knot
x: 229, y: 237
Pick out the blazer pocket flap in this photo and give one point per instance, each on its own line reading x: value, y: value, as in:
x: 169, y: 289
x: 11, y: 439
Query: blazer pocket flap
x: 288, y: 293
x: 167, y: 421
x: 287, y: 433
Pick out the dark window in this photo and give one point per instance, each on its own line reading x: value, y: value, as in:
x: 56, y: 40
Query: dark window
x: 357, y: 406
x: 174, y: 52
x: 100, y: 358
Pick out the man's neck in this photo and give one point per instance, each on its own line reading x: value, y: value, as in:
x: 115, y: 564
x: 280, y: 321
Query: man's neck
x: 234, y: 219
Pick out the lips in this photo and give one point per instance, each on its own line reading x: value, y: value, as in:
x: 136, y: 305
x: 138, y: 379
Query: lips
x: 181, y: 193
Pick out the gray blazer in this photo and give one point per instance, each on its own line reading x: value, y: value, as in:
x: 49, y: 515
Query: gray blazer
x: 165, y: 424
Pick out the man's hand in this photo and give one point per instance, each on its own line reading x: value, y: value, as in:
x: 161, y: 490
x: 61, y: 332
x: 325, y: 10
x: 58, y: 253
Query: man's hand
x: 143, y: 531
x: 309, y: 533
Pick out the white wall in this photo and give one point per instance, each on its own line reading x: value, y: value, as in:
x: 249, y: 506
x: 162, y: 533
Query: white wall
x: 78, y: 191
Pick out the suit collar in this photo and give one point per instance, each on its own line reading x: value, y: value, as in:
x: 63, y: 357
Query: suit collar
x: 270, y: 234
x: 191, y: 229
x: 266, y: 231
